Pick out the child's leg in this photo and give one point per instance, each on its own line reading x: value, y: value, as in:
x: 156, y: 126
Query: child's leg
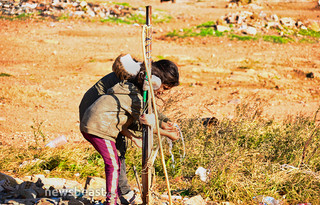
x: 108, y: 151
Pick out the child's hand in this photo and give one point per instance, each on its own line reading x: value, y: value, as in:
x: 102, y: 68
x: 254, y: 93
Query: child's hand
x: 169, y: 126
x: 148, y: 119
x: 174, y: 135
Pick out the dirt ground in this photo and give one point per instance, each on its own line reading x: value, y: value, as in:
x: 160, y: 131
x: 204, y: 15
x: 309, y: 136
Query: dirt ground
x: 53, y: 63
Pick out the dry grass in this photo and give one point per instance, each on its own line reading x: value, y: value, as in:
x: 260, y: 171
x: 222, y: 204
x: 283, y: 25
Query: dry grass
x: 247, y: 156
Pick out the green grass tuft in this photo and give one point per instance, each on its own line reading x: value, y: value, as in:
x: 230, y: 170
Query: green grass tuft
x: 243, y: 38
x: 5, y: 75
x: 207, y: 24
x: 122, y: 4
x: 115, y: 20
x: 309, y: 32
x: 277, y: 39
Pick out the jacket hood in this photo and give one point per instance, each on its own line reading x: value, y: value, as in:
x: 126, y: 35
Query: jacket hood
x: 125, y: 66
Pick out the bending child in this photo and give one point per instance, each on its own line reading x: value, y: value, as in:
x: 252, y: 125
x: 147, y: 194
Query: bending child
x: 115, y: 110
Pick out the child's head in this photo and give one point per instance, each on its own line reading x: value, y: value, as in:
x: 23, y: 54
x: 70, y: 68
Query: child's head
x: 166, y: 70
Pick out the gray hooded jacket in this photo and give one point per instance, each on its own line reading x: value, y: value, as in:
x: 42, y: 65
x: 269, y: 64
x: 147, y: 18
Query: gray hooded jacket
x: 113, y: 112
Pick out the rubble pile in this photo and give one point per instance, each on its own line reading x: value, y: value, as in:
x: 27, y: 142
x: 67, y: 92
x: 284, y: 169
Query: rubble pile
x: 39, y: 190
x: 250, y: 23
x: 56, y: 8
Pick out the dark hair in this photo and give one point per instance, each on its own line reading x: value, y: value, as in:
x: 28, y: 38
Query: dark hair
x: 166, y: 70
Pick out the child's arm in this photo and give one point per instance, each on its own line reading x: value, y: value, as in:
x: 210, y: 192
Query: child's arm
x: 173, y: 135
x: 137, y: 140
x: 170, y: 131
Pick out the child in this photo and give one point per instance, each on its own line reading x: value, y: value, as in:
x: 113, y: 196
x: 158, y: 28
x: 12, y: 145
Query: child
x: 114, y: 111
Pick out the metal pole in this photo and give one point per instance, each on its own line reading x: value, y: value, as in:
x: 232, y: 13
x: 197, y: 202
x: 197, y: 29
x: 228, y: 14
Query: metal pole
x: 147, y: 145
x: 147, y: 132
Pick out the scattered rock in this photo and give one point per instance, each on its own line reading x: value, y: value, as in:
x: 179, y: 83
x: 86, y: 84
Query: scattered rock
x: 288, y: 22
x: 254, y: 6
x: 95, y: 183
x: 250, y: 22
x: 196, y: 200
x: 95, y: 187
x: 60, y: 183
x: 56, y: 8
x: 7, y: 182
x: 221, y: 28
x: 45, y: 201
x: 314, y: 26
x: 250, y: 30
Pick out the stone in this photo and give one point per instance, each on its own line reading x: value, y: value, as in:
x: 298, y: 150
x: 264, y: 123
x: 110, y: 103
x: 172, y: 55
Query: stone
x: 95, y: 188
x: 288, y: 22
x: 221, y: 28
x: 90, y: 12
x: 304, y: 28
x: 46, y: 201
x: 95, y: 183
x: 1, y: 183
x: 274, y: 17
x: 20, y: 201
x: 83, y: 4
x: 250, y: 30
x: 75, y: 202
x: 314, y: 26
x: 59, y: 183
x: 196, y: 200
x: 275, y: 25
x: 79, y: 13
x: 254, y: 6
x: 11, y: 181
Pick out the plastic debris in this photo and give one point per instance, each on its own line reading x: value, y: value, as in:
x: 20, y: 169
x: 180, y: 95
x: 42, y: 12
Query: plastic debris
x: 202, y: 173
x: 266, y: 200
x: 61, y: 140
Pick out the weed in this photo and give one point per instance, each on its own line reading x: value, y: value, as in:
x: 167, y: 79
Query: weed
x: 277, y: 39
x: 161, y: 18
x: 137, y: 18
x: 309, y: 32
x: 247, y: 156
x: 189, y: 32
x: 37, y: 132
x: 207, y: 24
x: 307, y: 40
x: 61, y: 162
x: 63, y: 17
x: 5, y: 75
x: 122, y: 4
x: 115, y: 20
x: 242, y: 38
x: 174, y: 33
x: 23, y: 16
